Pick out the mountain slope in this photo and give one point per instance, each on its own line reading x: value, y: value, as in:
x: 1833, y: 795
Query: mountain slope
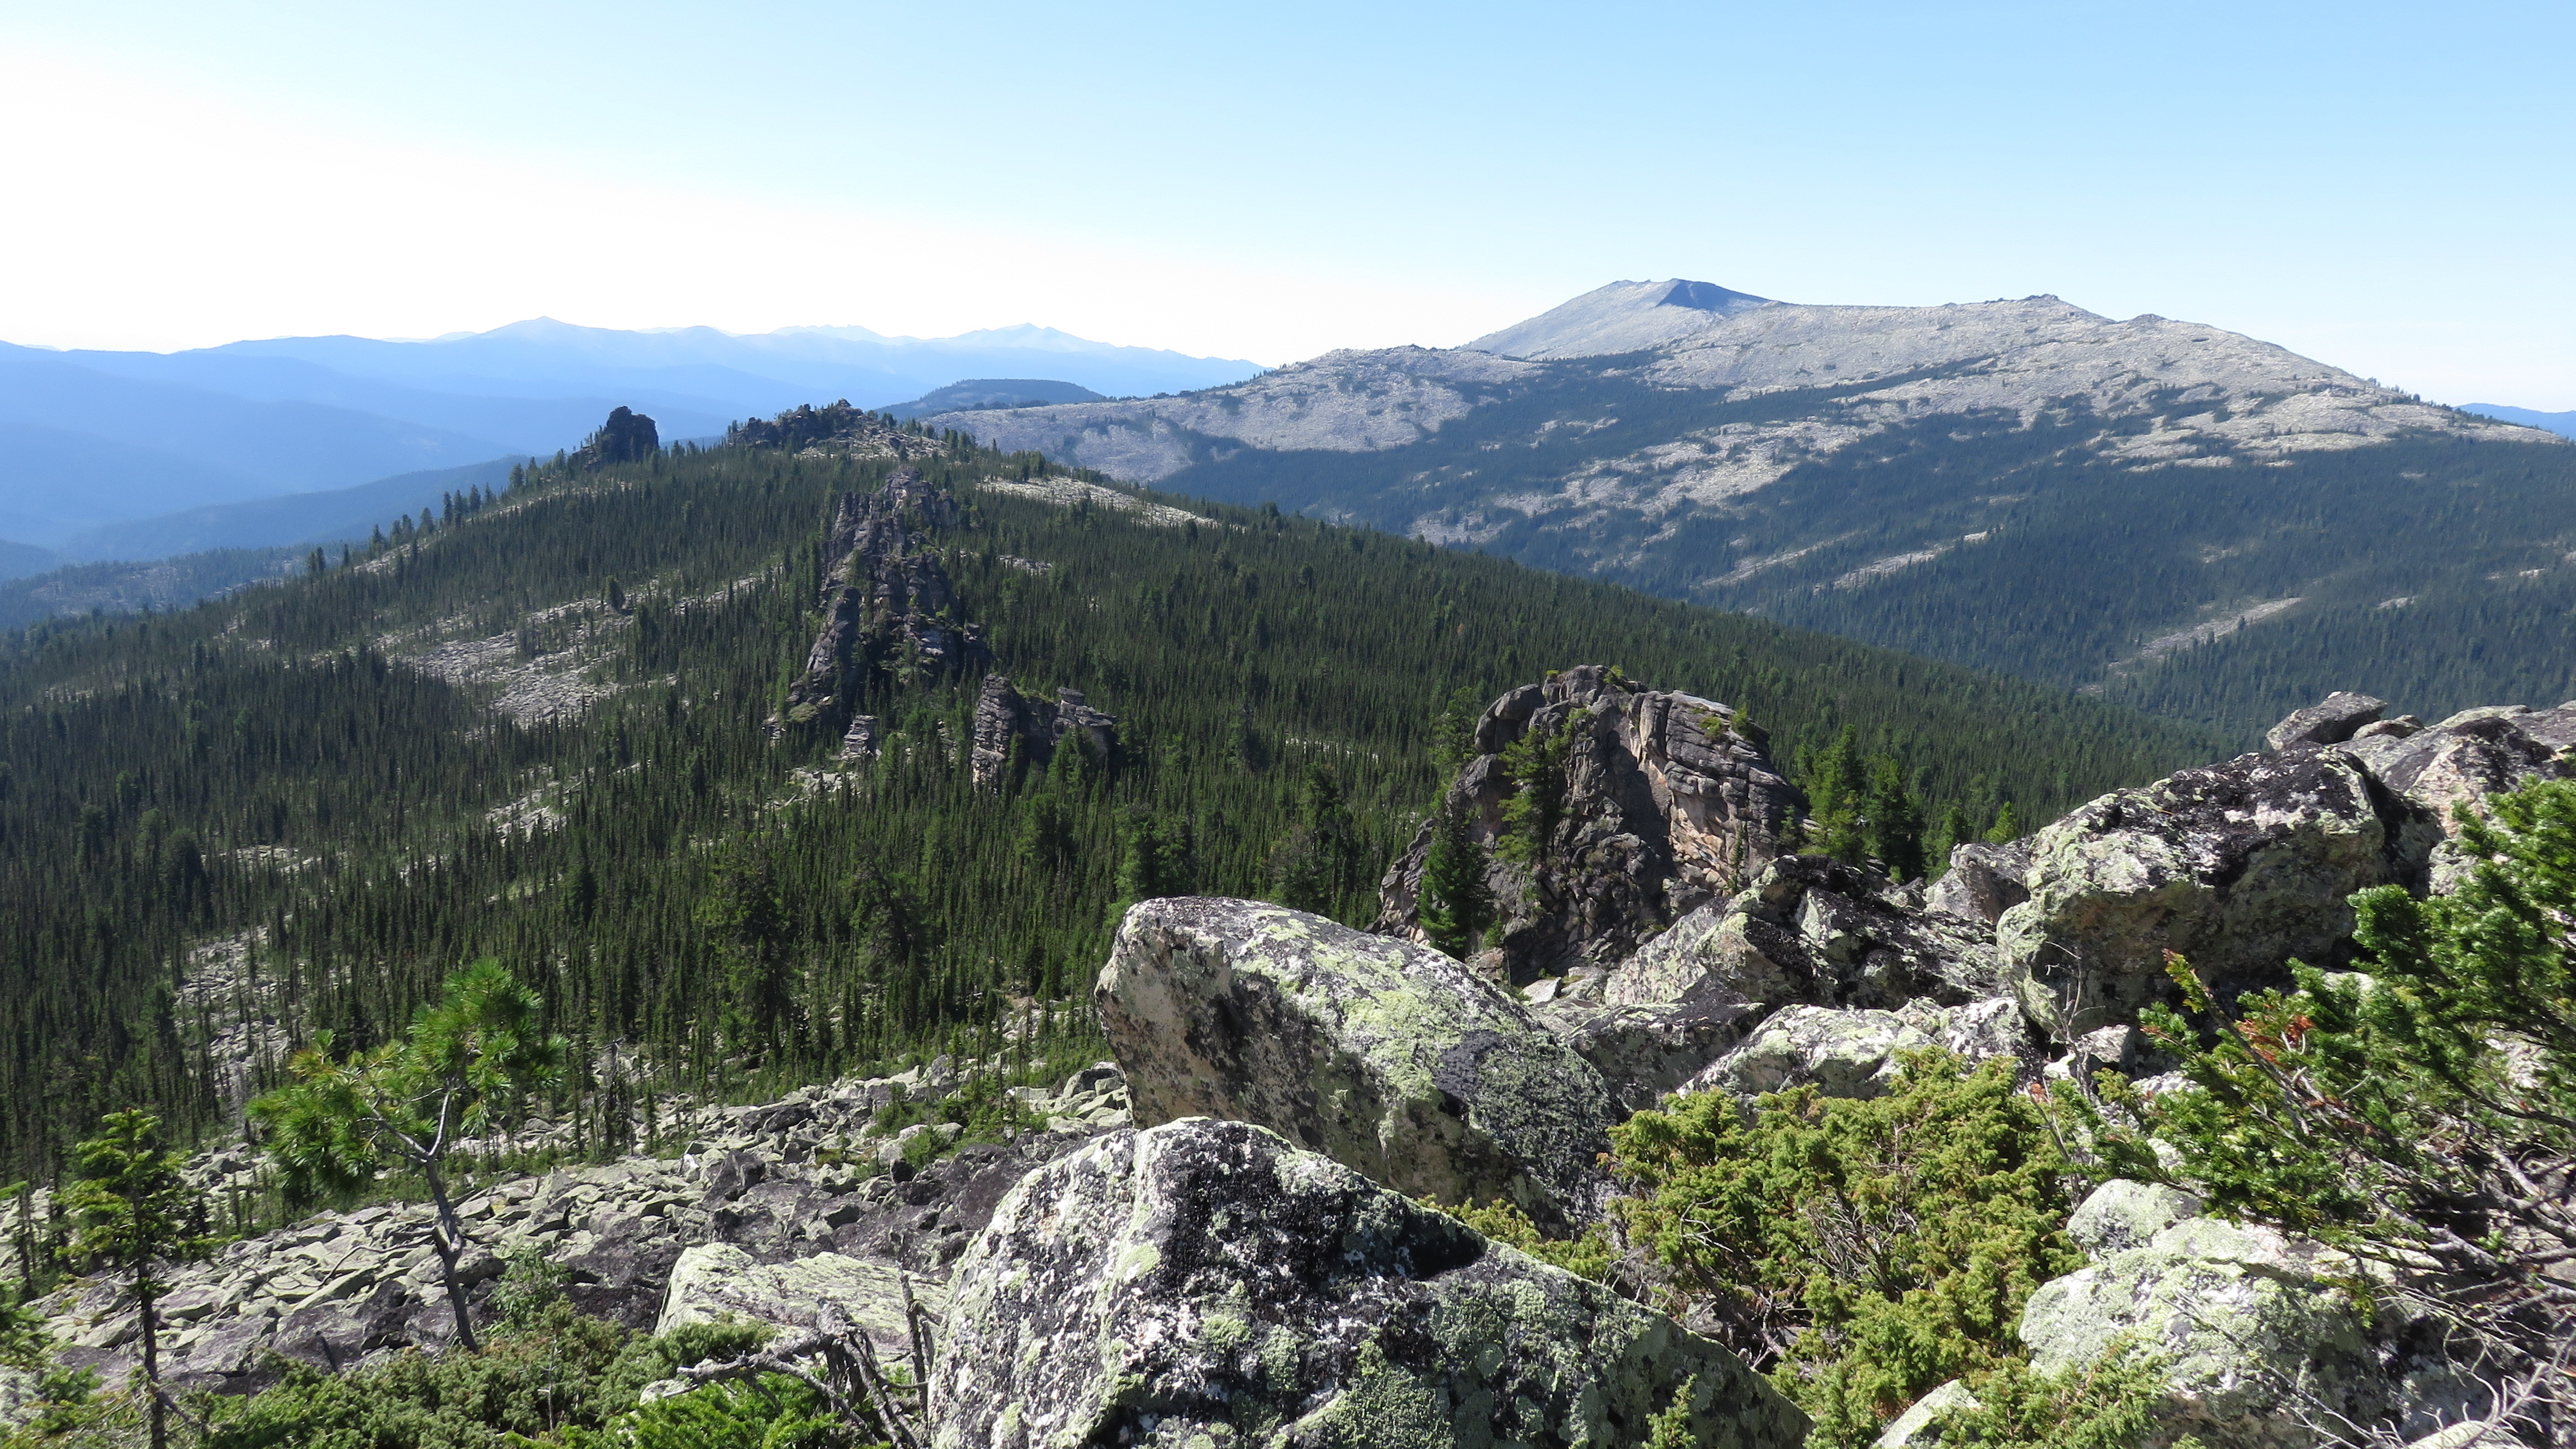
x: 556, y: 731
x: 2022, y: 485
x: 1621, y: 317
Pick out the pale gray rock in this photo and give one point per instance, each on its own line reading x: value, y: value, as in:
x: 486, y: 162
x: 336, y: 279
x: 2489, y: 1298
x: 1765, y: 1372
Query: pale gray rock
x: 2258, y: 1333
x: 2331, y: 722
x: 1621, y: 317
x: 2459, y: 764
x: 2121, y: 1215
x: 1919, y: 1426
x: 2238, y: 867
x: 1665, y: 806
x: 1843, y: 1053
x: 1983, y: 881
x: 715, y: 1280
x: 1644, y: 1052
x: 1387, y: 1056
x: 342, y: 1289
x: 1888, y: 365
x: 1206, y: 1283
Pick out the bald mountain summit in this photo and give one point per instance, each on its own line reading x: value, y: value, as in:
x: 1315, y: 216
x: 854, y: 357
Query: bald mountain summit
x: 2163, y: 512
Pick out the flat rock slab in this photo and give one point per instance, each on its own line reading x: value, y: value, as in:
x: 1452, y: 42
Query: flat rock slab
x: 1386, y: 1056
x: 1206, y: 1283
x: 713, y: 1280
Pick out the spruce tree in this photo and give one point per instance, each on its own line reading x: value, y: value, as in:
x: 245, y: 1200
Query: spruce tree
x: 137, y: 1216
x: 1895, y: 821
x: 1455, y: 906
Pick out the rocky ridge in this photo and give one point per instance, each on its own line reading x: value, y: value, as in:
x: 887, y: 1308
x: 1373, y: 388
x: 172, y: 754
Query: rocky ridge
x: 886, y: 597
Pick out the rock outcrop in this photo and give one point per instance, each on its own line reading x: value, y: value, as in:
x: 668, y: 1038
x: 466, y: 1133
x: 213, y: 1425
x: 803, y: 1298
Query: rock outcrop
x: 837, y: 430
x: 1809, y: 929
x: 1858, y: 1053
x: 2239, y: 867
x: 1659, y: 804
x: 626, y: 437
x: 2261, y: 1343
x: 886, y: 599
x: 2459, y: 762
x: 1386, y: 1056
x: 1206, y: 1283
x: 2329, y: 722
x: 1806, y: 931
x: 1006, y: 720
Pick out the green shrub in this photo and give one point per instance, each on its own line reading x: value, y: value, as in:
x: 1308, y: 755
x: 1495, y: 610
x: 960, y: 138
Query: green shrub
x: 1863, y: 1252
x: 559, y: 1373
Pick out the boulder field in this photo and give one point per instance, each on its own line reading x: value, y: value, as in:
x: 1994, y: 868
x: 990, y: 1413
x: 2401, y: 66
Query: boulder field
x: 1230, y: 1234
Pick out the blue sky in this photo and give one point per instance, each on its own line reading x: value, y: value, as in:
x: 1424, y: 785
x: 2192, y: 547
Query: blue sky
x: 2384, y: 187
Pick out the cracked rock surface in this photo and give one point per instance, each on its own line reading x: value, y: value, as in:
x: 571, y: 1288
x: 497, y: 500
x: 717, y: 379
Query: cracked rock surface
x: 1384, y: 1055
x: 1205, y: 1283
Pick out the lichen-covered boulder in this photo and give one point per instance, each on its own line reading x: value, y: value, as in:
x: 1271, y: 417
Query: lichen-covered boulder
x: 2258, y: 1345
x: 1919, y: 1427
x: 2460, y: 762
x: 2239, y: 867
x: 1983, y: 881
x: 1206, y: 1284
x: 2122, y: 1214
x: 1386, y: 1056
x: 1812, y: 929
x: 2330, y: 722
x: 1858, y: 1053
x: 1842, y: 1053
x: 713, y: 1280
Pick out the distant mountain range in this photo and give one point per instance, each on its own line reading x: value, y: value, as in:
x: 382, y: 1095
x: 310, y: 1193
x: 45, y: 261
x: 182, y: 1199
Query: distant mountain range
x: 2120, y: 506
x: 2563, y: 424
x: 93, y: 439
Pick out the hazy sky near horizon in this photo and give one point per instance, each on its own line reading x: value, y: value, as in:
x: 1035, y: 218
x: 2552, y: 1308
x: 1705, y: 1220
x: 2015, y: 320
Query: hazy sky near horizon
x: 2384, y: 187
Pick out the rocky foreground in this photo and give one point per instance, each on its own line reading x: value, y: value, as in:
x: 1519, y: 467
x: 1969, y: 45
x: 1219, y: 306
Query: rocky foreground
x: 1221, y: 1238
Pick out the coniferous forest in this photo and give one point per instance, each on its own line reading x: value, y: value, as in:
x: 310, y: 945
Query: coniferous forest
x: 548, y: 725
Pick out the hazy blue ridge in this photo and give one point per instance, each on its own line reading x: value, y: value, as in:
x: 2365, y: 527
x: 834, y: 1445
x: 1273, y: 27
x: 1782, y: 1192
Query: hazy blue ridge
x: 17, y: 560
x: 2560, y: 423
x: 332, y: 516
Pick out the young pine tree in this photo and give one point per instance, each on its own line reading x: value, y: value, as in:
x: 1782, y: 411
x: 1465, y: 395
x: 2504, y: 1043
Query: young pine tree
x: 137, y: 1215
x: 464, y: 1069
x: 2419, y: 1110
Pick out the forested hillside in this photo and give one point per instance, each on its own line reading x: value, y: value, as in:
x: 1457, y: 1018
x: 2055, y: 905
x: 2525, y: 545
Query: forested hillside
x: 549, y: 724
